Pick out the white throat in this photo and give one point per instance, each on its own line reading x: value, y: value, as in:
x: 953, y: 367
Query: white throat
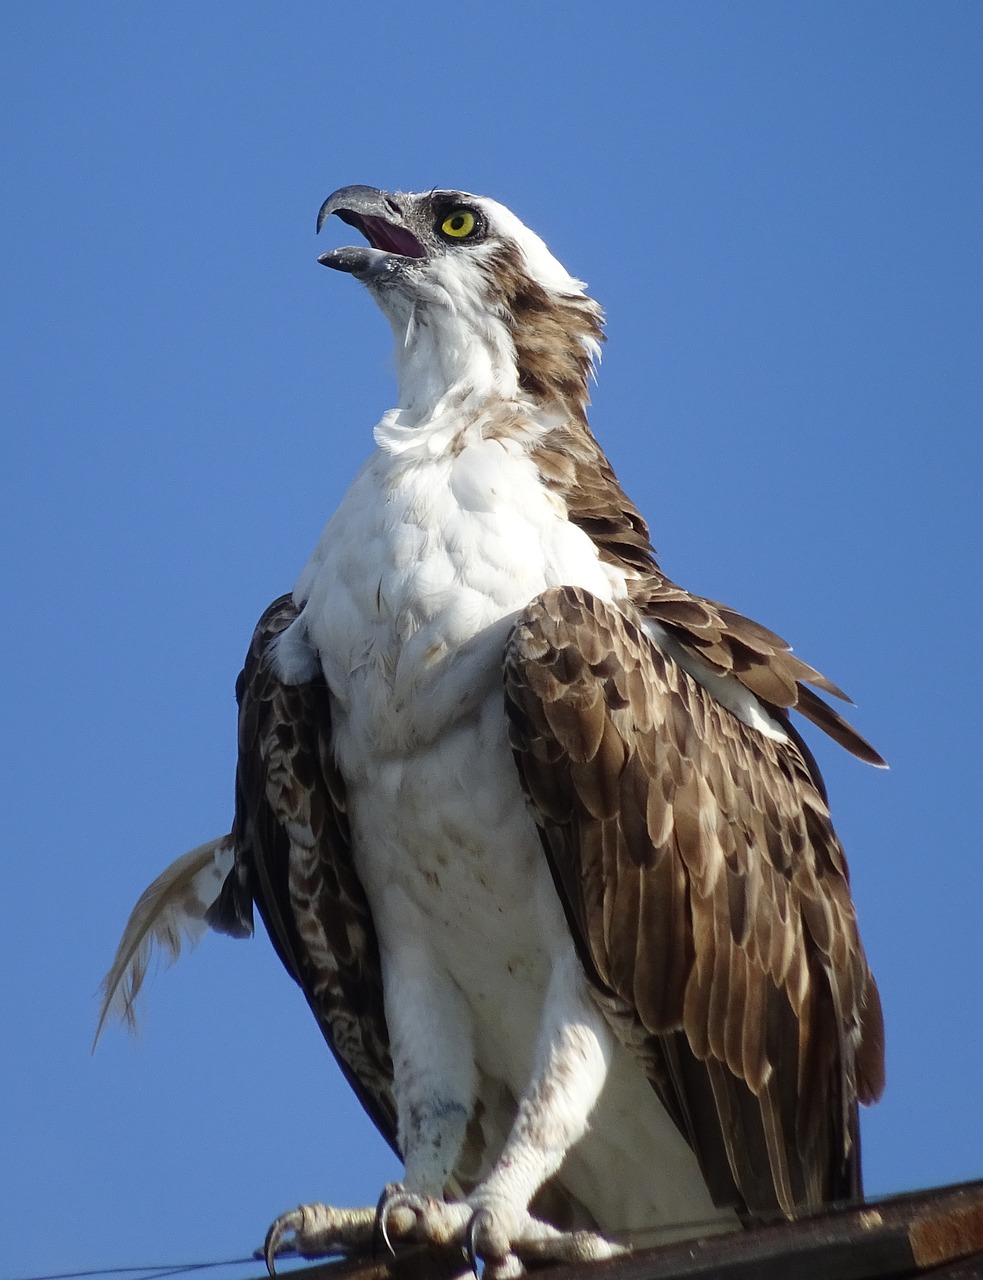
x: 450, y: 348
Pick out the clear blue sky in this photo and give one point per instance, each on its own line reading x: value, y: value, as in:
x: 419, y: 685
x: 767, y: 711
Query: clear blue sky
x: 779, y: 206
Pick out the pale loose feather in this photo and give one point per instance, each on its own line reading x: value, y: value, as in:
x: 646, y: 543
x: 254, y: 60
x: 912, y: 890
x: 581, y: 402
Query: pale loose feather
x: 169, y: 911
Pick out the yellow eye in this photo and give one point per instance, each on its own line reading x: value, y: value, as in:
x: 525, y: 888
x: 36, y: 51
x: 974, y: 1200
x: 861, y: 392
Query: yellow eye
x: 458, y: 224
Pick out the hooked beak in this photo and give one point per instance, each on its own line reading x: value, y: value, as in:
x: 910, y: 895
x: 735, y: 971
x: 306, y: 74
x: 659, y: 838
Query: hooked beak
x: 378, y: 216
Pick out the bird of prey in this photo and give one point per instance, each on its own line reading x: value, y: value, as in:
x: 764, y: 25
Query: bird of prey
x: 530, y: 824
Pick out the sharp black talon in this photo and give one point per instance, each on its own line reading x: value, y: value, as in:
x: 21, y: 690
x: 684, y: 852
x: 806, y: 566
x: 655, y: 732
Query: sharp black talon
x: 471, y: 1252
x: 381, y: 1231
x: 269, y: 1248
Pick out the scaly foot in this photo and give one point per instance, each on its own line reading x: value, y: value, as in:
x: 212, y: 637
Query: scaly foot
x: 503, y: 1236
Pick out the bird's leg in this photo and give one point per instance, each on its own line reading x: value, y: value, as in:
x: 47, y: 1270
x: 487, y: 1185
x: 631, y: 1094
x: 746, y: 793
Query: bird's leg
x: 494, y: 1222
x: 434, y: 1092
x: 572, y: 1059
x: 434, y: 1082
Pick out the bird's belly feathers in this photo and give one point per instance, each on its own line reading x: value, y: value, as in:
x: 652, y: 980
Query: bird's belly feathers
x: 447, y: 843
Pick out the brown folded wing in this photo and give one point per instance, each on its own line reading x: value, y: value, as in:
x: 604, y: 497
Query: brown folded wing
x: 707, y: 893
x: 293, y: 858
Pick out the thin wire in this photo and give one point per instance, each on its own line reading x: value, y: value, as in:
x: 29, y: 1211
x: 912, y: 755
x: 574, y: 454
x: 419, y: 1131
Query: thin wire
x: 194, y: 1266
x: 150, y: 1272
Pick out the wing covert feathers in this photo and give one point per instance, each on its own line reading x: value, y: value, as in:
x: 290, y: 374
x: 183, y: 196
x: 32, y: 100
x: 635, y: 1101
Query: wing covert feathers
x: 761, y: 660
x: 708, y: 896
x: 168, y: 911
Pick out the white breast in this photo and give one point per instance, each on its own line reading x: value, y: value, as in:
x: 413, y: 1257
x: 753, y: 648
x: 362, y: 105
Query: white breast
x: 441, y: 539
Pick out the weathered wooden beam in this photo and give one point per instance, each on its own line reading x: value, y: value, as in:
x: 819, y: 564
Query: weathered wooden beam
x: 899, y: 1237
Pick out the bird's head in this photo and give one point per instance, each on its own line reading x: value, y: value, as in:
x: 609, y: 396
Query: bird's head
x: 479, y: 305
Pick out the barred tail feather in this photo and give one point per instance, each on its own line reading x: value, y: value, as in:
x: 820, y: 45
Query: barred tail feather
x: 168, y: 911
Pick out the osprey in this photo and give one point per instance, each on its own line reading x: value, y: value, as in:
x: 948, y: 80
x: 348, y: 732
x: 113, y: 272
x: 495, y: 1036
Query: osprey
x: 529, y: 823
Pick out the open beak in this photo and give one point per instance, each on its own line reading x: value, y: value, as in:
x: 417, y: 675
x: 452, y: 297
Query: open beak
x: 378, y: 216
